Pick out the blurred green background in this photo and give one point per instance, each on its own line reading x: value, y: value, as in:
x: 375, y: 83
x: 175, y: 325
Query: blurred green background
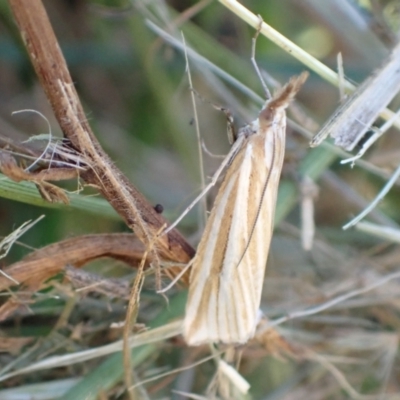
x: 135, y: 91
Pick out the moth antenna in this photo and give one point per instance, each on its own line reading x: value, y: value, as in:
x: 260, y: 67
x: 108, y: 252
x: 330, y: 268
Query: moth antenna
x: 254, y: 61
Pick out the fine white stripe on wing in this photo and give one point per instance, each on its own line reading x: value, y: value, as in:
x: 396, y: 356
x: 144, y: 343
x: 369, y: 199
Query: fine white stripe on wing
x: 230, y: 311
x: 203, y: 279
x: 235, y: 296
x: 239, y: 218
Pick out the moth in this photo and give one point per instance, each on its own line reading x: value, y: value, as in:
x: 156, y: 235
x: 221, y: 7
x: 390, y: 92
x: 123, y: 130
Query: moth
x: 228, y: 270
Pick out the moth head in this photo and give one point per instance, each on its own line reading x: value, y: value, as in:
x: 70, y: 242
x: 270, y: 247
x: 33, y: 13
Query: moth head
x: 273, y: 112
x: 271, y: 116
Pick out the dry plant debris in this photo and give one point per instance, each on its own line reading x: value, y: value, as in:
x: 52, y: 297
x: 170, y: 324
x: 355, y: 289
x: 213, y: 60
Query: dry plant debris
x: 332, y: 310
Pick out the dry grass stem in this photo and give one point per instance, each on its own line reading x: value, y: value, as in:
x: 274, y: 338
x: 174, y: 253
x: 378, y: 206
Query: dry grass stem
x: 356, y: 115
x: 154, y: 335
x: 132, y: 313
x: 44, y: 52
x: 87, y: 315
x: 304, y: 57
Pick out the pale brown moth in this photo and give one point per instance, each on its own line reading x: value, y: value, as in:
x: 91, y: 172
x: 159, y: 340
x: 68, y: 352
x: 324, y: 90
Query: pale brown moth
x: 228, y: 269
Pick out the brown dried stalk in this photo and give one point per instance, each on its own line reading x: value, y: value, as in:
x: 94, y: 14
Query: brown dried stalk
x: 51, y: 68
x: 50, y: 260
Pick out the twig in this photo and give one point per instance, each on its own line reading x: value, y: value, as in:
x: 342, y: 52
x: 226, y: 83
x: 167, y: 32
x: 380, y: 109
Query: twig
x: 377, y: 199
x: 383, y: 232
x: 54, y: 76
x: 340, y: 299
x: 356, y: 115
x: 203, y: 201
x: 294, y: 50
x: 378, y: 132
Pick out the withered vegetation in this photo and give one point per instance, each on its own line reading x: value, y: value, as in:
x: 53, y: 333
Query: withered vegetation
x: 86, y: 289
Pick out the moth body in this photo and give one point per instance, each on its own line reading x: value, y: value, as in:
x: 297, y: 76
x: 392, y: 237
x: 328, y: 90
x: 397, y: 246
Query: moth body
x: 228, y: 270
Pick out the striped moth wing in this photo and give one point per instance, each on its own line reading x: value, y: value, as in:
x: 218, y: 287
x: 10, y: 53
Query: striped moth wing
x: 228, y: 270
